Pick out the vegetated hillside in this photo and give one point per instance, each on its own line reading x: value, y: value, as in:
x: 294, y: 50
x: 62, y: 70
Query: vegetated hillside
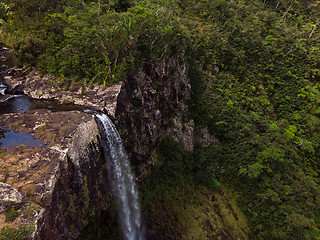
x: 254, y: 69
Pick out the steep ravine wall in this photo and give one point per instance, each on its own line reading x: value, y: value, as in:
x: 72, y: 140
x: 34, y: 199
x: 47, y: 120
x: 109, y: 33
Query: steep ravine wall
x: 151, y: 104
x: 81, y: 188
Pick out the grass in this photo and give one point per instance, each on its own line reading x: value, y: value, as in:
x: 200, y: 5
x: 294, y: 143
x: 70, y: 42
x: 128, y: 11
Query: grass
x: 20, y: 233
x: 12, y: 214
x: 43, y: 128
x: 17, y: 124
x: 21, y: 147
x: 2, y: 153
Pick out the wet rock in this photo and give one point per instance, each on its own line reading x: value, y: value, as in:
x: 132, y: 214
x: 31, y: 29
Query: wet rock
x: 11, y: 78
x: 31, y: 83
x: 49, y: 87
x: 14, y: 84
x: 5, y: 97
x: 4, y: 53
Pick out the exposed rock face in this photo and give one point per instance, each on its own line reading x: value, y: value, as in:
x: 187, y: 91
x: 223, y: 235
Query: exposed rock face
x: 203, y: 137
x: 56, y: 188
x: 8, y: 195
x: 152, y: 103
x: 59, y: 187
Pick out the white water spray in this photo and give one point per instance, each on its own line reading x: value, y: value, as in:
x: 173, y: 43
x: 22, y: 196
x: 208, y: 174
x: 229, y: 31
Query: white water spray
x: 2, y: 88
x: 121, y: 181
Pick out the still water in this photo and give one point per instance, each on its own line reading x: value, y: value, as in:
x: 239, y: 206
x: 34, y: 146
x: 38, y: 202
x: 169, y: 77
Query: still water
x: 21, y: 103
x: 11, y: 138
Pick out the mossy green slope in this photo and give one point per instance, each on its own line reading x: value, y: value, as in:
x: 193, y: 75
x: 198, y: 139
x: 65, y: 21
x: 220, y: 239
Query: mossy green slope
x: 176, y: 207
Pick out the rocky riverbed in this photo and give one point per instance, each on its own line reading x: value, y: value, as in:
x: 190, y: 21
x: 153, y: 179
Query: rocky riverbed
x: 31, y: 83
x: 56, y: 187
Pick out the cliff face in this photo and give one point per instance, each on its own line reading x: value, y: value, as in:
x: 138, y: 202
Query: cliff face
x: 81, y: 188
x: 152, y: 103
x: 58, y: 187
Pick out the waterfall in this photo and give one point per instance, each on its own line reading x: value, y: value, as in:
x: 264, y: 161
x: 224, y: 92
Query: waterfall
x: 2, y: 88
x: 121, y: 180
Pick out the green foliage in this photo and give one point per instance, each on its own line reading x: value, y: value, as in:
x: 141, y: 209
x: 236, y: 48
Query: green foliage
x: 95, y: 43
x: 21, y: 233
x: 103, y: 224
x: 3, y: 12
x: 122, y: 5
x: 2, y: 153
x: 260, y: 99
x: 12, y: 214
x: 172, y: 164
x: 176, y: 206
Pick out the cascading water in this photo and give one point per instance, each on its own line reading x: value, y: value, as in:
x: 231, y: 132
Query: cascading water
x: 3, y: 87
x: 121, y: 180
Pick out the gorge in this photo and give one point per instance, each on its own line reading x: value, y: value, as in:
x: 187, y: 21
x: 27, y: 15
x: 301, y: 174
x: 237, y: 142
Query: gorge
x: 216, y: 102
x: 121, y: 180
x: 73, y: 165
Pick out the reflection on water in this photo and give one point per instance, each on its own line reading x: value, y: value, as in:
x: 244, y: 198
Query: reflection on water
x: 15, y: 105
x: 11, y: 139
x: 23, y: 103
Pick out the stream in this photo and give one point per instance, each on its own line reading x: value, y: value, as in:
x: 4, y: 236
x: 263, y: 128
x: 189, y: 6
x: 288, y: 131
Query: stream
x: 22, y: 103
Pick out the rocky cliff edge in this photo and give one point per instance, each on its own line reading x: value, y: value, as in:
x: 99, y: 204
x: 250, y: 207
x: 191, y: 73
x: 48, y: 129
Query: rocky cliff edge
x: 55, y: 188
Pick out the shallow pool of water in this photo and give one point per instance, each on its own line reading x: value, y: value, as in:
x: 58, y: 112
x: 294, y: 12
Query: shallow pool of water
x: 23, y: 103
x: 12, y: 138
